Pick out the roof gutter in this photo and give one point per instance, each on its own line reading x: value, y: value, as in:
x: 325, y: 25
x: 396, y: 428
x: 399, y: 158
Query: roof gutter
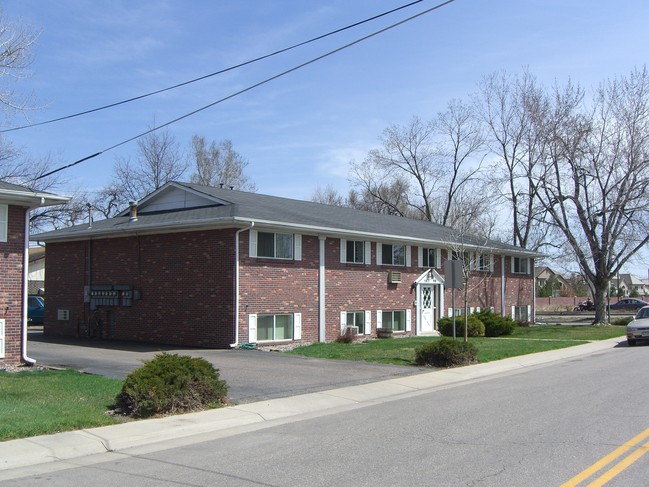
x: 236, y: 284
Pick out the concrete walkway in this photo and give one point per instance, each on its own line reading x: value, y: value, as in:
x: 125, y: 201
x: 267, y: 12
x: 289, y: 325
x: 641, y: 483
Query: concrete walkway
x: 34, y: 455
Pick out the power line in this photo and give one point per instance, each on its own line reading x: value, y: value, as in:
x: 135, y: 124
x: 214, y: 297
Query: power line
x: 225, y: 70
x: 251, y: 87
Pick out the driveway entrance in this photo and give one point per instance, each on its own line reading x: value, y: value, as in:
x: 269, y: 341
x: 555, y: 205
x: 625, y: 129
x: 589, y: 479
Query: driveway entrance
x: 252, y: 375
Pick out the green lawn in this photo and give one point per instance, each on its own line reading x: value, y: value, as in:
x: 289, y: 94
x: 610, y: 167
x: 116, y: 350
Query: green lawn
x: 401, y: 351
x: 37, y: 402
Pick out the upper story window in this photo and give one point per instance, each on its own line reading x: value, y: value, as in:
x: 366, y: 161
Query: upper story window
x: 394, y: 254
x: 429, y: 258
x: 275, y: 245
x: 4, y: 222
x: 354, y: 252
x: 484, y: 263
x: 520, y: 265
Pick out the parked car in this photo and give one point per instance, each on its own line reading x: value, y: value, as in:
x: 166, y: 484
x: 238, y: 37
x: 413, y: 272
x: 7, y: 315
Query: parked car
x: 629, y: 303
x: 35, y: 309
x: 638, y: 329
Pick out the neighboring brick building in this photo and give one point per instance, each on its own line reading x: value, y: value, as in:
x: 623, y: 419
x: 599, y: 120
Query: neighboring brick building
x: 211, y: 267
x: 15, y: 203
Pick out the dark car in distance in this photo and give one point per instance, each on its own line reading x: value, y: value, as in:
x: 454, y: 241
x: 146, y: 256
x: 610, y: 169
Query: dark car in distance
x: 629, y: 303
x: 35, y: 309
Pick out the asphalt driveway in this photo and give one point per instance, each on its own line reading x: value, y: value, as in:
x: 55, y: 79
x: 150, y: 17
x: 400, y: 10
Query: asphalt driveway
x: 252, y: 375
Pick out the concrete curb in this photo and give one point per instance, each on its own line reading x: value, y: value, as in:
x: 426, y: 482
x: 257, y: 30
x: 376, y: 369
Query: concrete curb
x: 45, y: 449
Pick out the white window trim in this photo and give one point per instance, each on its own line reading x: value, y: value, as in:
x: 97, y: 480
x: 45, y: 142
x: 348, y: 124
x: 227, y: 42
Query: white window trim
x: 479, y: 268
x: 296, y: 242
x: 252, y: 328
x: 527, y: 259
x: 367, y: 255
x: 379, y: 254
x: 407, y: 324
x: 4, y: 222
x: 367, y: 325
x: 420, y: 257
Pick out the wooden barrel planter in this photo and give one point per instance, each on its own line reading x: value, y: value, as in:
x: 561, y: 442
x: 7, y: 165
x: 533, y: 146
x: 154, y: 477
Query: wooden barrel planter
x: 383, y: 333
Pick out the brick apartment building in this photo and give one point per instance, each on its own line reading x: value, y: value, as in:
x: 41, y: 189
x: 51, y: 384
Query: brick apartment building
x: 15, y: 203
x: 211, y: 267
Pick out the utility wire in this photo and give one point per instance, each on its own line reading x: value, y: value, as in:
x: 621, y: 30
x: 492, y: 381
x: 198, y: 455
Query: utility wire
x: 225, y: 70
x: 251, y: 87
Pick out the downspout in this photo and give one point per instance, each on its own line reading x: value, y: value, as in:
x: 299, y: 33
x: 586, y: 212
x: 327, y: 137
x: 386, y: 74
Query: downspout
x: 23, y: 343
x: 236, y: 284
x: 322, y: 329
x: 502, y: 286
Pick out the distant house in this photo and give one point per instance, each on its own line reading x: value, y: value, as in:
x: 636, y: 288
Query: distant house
x: 201, y: 266
x: 630, y: 285
x: 543, y: 274
x: 15, y: 203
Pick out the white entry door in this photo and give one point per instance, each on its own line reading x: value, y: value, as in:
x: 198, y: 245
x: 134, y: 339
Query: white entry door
x: 427, y: 306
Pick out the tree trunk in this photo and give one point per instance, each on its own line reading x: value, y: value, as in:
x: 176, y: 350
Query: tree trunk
x: 601, y: 288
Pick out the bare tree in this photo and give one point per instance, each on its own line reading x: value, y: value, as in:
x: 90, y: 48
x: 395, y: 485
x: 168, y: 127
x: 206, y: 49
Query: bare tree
x: 328, y: 196
x: 219, y: 164
x: 507, y: 106
x: 159, y: 161
x: 459, y: 143
x: 16, y: 54
x: 594, y: 180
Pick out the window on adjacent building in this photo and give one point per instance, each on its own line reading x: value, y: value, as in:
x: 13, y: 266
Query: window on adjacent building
x: 520, y: 265
x: 395, y: 320
x: 274, y: 327
x: 4, y: 222
x: 357, y: 318
x: 393, y: 254
x: 275, y: 245
x: 429, y: 258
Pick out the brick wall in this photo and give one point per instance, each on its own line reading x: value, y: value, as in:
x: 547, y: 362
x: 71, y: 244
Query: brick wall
x: 185, y: 281
x: 11, y: 290
x: 187, y: 289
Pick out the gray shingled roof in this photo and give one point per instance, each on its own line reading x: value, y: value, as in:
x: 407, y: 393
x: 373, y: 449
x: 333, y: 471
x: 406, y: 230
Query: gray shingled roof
x: 229, y: 208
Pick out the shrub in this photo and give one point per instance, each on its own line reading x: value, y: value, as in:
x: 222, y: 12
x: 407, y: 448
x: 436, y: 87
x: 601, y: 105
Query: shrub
x: 347, y: 336
x: 476, y: 327
x: 446, y: 353
x: 496, y: 325
x: 171, y: 383
x: 622, y: 321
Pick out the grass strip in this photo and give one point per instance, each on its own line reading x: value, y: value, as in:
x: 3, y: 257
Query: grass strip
x: 401, y: 351
x: 37, y: 402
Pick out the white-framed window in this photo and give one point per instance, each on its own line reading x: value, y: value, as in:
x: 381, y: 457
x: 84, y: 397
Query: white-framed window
x: 4, y: 222
x: 395, y: 320
x: 520, y: 265
x: 359, y: 319
x: 521, y: 313
x: 484, y: 263
x: 458, y: 312
x: 275, y: 245
x: 429, y: 257
x: 274, y: 327
x: 393, y: 254
x: 355, y: 252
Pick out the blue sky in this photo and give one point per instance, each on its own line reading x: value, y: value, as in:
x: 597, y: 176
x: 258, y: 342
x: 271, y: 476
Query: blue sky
x: 300, y: 131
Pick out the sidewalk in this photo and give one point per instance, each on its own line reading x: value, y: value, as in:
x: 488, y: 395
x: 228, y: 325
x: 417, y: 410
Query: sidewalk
x: 158, y: 434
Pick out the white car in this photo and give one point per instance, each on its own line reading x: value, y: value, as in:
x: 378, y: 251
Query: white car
x: 638, y: 329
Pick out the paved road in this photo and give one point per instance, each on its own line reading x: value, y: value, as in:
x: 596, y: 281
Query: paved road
x: 538, y: 426
x: 252, y: 375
